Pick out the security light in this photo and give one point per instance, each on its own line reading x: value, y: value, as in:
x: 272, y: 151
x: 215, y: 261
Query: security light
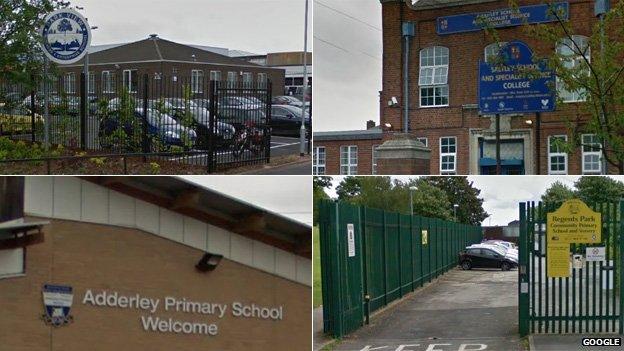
x: 388, y: 125
x: 528, y: 122
x: 393, y: 102
x: 208, y: 262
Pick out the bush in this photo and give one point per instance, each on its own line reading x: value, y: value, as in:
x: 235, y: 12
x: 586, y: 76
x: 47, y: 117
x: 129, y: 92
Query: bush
x: 14, y: 150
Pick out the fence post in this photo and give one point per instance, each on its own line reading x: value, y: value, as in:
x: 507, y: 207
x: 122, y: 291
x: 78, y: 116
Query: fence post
x: 32, y: 109
x: 83, y: 111
x: 620, y: 235
x: 523, y: 284
x: 145, y: 140
x: 214, y: 86
x: 268, y: 129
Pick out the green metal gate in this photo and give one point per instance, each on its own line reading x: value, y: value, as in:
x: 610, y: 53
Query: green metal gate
x: 371, y: 257
x: 590, y: 299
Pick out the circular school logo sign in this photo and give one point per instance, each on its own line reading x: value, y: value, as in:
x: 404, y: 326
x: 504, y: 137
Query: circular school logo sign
x: 66, y: 36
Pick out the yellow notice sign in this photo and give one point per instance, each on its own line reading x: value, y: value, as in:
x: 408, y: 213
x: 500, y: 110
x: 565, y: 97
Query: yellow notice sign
x: 558, y: 260
x: 424, y: 234
x: 574, y: 222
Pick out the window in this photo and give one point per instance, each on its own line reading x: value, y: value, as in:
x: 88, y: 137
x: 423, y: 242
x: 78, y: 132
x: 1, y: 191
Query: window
x: 424, y: 141
x: 11, y: 262
x: 592, y: 163
x: 348, y: 160
x: 231, y: 79
x: 572, y: 51
x: 130, y: 80
x: 262, y: 80
x: 215, y: 76
x: 448, y: 155
x: 54, y: 84
x: 70, y: 83
x: 557, y: 158
x: 91, y: 82
x: 433, y: 78
x: 247, y: 80
x: 108, y: 82
x: 491, y: 51
x: 374, y: 156
x: 197, y: 80
x: 318, y: 161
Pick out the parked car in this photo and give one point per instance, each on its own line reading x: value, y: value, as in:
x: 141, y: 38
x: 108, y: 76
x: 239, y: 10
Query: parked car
x: 286, y: 100
x: 508, y: 252
x: 239, y: 116
x: 509, y: 246
x: 286, y: 120
x: 486, y: 256
x: 223, y: 132
x: 161, y: 127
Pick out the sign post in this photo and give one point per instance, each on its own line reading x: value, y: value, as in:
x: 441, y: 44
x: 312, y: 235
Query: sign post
x: 66, y: 39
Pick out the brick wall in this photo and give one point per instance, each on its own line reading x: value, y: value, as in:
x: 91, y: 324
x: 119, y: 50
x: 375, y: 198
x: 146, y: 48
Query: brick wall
x: 332, y: 154
x: 129, y: 261
x: 465, y: 51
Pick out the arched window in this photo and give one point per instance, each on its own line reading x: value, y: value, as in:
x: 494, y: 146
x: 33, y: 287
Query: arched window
x: 433, y: 77
x: 572, y: 52
x: 491, y: 51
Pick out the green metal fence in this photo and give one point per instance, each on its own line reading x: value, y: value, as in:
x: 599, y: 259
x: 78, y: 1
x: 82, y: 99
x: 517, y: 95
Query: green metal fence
x: 371, y: 257
x: 590, y: 300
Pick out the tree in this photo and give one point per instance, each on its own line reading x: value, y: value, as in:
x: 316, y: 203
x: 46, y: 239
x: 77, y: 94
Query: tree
x: 318, y: 193
x: 599, y: 189
x: 557, y: 193
x: 462, y: 192
x: 348, y: 188
x: 591, y: 69
x: 429, y: 200
x: 20, y: 20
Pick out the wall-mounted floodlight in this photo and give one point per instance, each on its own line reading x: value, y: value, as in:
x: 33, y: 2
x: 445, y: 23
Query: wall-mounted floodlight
x: 208, y: 262
x: 393, y: 102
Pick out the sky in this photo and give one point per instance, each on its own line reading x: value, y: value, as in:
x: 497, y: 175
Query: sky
x: 290, y: 196
x: 257, y: 26
x: 502, y: 194
x: 347, y: 63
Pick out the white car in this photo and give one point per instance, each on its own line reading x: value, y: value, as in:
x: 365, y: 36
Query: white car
x: 501, y: 249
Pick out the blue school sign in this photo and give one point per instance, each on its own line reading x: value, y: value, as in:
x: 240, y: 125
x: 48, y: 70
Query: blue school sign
x: 514, y: 83
x: 66, y: 36
x: 507, y: 17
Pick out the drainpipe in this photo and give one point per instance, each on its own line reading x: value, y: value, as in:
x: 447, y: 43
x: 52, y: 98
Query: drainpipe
x: 409, y: 31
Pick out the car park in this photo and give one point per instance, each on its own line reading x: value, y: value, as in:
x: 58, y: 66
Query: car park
x: 486, y: 256
x: 288, y: 100
x: 286, y: 120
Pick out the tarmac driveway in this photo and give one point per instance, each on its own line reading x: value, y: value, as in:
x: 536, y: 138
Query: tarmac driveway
x: 462, y: 311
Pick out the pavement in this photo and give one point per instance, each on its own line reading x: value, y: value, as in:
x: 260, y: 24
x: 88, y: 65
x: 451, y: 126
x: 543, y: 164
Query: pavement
x: 296, y: 168
x: 462, y: 311
x: 319, y: 338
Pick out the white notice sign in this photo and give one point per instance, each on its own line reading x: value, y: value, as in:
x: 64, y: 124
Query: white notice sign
x: 350, y: 240
x: 595, y: 254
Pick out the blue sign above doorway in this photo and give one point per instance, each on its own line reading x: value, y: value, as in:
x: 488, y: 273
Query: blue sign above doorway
x: 507, y: 17
x: 515, y: 84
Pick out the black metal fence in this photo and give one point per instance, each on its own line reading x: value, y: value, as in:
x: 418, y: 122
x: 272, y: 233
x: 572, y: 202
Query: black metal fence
x: 194, y: 120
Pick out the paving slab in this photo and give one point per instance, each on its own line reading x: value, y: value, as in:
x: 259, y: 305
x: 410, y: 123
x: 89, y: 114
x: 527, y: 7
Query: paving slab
x: 462, y: 311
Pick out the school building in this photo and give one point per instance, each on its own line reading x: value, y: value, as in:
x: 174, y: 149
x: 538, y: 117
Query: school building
x: 148, y: 263
x: 442, y: 90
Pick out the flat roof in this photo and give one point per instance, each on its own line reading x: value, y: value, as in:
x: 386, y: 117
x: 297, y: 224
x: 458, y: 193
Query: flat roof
x: 210, y: 206
x: 364, y: 134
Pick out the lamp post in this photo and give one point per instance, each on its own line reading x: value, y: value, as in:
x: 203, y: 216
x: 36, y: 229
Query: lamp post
x: 302, y: 130
x: 455, y: 206
x: 601, y: 7
x: 412, y: 189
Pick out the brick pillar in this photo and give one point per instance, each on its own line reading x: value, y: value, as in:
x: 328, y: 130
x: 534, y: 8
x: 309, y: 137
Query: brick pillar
x: 402, y: 154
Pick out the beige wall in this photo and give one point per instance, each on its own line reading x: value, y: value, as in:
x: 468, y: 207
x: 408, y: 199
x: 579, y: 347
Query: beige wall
x: 129, y: 261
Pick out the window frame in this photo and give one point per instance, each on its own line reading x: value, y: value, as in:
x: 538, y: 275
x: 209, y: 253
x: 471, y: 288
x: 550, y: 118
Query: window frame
x: 448, y: 154
x: 557, y: 154
x: 108, y: 83
x: 349, y: 150
x: 262, y: 80
x: 433, y: 68
x: 197, y: 78
x: 22, y: 273
x: 316, y: 164
x: 597, y: 152
x: 577, y: 96
x: 91, y: 81
x: 216, y: 74
x: 132, y: 73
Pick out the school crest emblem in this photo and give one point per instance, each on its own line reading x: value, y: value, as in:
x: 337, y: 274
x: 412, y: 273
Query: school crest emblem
x: 57, y: 302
